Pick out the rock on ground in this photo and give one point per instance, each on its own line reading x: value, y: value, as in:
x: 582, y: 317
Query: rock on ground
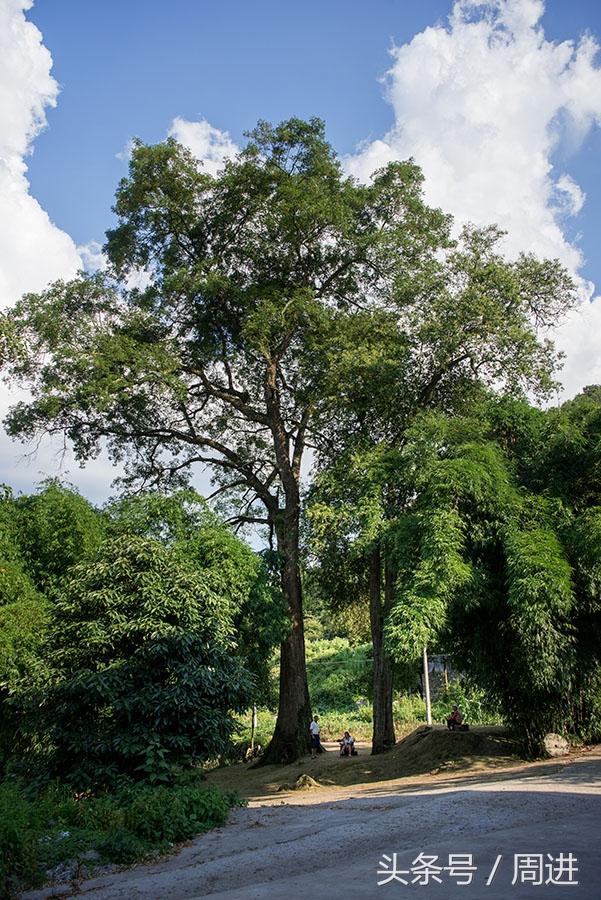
x: 556, y: 745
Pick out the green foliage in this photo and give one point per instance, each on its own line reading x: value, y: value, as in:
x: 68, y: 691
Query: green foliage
x: 423, y: 592
x: 23, y: 617
x: 540, y: 600
x: 39, y: 831
x: 339, y: 674
x: 57, y: 528
x: 22, y: 607
x: 18, y: 851
x: 247, y: 582
x: 263, y: 733
x: 143, y: 676
x: 334, y: 722
x: 175, y: 593
x: 509, y: 581
x: 41, y: 537
x: 288, y: 303
x: 476, y: 705
x: 408, y: 709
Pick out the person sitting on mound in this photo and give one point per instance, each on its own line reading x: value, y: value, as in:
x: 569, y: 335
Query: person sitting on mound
x: 455, y: 719
x: 347, y: 745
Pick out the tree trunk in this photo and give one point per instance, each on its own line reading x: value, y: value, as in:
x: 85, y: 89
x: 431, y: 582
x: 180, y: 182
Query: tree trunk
x: 383, y: 724
x: 291, y: 737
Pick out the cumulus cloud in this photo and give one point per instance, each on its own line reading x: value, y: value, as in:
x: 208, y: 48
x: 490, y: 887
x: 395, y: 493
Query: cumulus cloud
x: 93, y: 258
x: 482, y: 102
x: 32, y: 249
x: 211, y: 145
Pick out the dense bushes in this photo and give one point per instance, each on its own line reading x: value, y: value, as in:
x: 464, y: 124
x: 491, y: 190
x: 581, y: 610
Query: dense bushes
x: 38, y: 833
x: 142, y: 674
x: 112, y: 661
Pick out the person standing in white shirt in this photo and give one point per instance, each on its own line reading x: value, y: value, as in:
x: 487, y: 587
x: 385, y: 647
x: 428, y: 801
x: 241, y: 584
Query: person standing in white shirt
x: 314, y: 726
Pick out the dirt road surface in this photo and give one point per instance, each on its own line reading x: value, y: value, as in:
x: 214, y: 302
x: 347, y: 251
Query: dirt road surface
x: 328, y: 843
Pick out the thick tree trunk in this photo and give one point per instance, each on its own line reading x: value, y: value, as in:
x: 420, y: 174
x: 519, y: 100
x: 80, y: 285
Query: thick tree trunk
x: 383, y: 723
x: 291, y: 737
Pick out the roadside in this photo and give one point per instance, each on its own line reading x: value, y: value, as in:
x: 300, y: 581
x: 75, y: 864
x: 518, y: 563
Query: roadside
x: 330, y: 840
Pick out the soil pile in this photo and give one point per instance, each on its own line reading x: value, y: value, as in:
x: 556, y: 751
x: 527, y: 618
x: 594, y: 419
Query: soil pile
x: 434, y: 749
x: 425, y: 753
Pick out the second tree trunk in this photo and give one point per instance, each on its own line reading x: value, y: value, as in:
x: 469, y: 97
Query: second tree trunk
x: 383, y: 724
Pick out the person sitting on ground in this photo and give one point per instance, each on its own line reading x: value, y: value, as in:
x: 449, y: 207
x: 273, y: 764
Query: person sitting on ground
x: 315, y: 743
x: 455, y: 719
x: 347, y: 744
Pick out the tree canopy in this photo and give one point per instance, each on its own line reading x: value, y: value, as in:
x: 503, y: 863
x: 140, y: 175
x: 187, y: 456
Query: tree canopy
x: 288, y: 306
x: 496, y: 562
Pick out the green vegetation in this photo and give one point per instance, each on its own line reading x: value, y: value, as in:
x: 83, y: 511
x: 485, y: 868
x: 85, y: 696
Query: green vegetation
x: 489, y: 562
x: 339, y: 675
x: 340, y: 679
x: 37, y: 833
x: 142, y: 675
x: 130, y: 643
x: 288, y: 306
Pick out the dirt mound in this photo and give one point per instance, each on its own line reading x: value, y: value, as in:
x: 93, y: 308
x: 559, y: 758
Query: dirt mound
x: 302, y: 783
x: 427, y: 752
x: 436, y: 749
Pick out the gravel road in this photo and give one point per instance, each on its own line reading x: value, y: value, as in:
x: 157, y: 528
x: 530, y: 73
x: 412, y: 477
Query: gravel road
x: 328, y: 844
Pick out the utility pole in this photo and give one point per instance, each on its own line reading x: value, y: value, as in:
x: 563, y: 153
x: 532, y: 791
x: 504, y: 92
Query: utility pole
x: 427, y: 689
x: 253, y: 728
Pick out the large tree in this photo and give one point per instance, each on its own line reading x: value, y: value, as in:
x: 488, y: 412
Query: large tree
x: 223, y: 359
x: 474, y: 321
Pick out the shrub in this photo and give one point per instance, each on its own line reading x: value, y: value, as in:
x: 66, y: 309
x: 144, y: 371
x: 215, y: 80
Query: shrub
x: 121, y: 847
x: 39, y: 831
x: 144, y: 679
x: 477, y: 707
x: 172, y: 815
x: 17, y: 843
x: 409, y: 708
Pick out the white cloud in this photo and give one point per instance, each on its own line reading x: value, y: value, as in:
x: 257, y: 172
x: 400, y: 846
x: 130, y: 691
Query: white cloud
x: 482, y: 103
x: 211, y: 145
x: 93, y: 258
x: 33, y: 250
x: 125, y: 154
x: 580, y: 339
x: 569, y: 196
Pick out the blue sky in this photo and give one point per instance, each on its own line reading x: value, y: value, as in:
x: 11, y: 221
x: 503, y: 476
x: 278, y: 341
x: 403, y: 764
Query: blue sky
x: 128, y: 68
x: 499, y: 108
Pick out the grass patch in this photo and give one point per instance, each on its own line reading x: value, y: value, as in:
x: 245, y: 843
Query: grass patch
x: 39, y: 832
x: 339, y: 674
x: 409, y: 711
